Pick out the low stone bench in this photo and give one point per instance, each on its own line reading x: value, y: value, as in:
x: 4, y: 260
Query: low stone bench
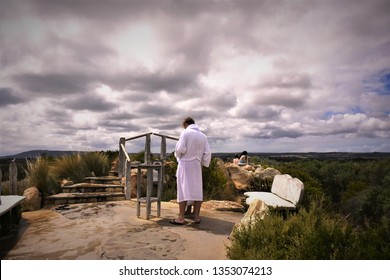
x: 9, y: 201
x: 10, y: 212
x: 286, y: 193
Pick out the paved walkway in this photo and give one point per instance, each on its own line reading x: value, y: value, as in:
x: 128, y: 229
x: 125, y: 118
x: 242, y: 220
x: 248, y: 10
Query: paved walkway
x: 111, y: 230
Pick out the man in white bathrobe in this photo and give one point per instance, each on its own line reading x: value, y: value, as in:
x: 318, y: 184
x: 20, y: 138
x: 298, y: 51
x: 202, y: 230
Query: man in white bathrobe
x: 192, y: 151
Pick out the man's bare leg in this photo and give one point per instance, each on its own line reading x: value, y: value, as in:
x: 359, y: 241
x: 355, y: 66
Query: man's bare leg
x: 182, y: 209
x: 197, y: 206
x: 188, y: 210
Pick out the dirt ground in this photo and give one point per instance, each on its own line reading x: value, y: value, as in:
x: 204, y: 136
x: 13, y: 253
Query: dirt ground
x: 111, y: 230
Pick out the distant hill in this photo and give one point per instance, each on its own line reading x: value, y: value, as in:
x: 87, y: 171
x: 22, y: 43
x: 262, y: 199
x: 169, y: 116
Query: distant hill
x: 229, y: 156
x: 312, y: 155
x: 37, y: 153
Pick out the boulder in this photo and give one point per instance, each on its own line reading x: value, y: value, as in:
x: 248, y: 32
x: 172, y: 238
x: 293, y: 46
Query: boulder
x: 242, y: 179
x: 268, y: 173
x: 133, y: 181
x: 66, y: 182
x: 220, y: 164
x: 115, y: 165
x: 248, y: 167
x: 257, y: 210
x: 33, y: 199
x: 223, y: 205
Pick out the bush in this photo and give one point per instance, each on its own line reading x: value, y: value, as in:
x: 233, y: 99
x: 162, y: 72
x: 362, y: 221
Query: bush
x: 169, y: 190
x: 374, y: 242
x: 96, y: 162
x: 38, y: 174
x: 308, y: 235
x: 71, y: 167
x: 214, y: 183
x: 21, y: 185
x: 375, y: 206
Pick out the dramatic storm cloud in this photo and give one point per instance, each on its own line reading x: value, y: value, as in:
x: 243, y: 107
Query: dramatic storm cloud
x: 261, y: 76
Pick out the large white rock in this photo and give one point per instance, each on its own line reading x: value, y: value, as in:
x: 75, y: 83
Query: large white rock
x: 257, y: 210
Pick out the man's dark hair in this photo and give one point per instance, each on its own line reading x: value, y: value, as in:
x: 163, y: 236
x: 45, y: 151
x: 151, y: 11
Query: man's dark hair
x: 188, y: 121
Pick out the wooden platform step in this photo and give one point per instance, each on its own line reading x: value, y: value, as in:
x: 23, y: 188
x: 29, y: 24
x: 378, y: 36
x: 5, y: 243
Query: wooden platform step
x: 92, y: 188
x: 72, y: 198
x: 104, y: 180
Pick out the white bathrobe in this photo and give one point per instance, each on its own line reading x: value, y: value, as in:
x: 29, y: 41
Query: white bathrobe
x: 192, y: 151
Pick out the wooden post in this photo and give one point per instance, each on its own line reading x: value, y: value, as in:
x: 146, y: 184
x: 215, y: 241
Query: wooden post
x: 128, y: 181
x: 163, y: 150
x: 122, y: 157
x: 13, y: 177
x: 149, y: 186
x: 1, y: 178
x: 148, y: 155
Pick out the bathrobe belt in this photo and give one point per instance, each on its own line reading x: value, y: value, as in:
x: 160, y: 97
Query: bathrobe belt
x: 191, y: 159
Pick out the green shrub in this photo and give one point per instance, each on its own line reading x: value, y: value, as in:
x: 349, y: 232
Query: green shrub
x: 70, y: 167
x: 21, y: 185
x: 96, y: 162
x: 313, y: 234
x: 169, y: 189
x: 264, y: 162
x: 375, y: 205
x: 38, y: 174
x: 373, y: 243
x: 214, y: 182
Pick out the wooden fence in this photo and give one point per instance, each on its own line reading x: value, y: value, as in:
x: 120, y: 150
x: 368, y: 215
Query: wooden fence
x: 124, y: 158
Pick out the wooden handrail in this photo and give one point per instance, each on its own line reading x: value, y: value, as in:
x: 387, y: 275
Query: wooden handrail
x: 139, y: 136
x: 124, y: 151
x: 167, y: 136
x: 154, y: 133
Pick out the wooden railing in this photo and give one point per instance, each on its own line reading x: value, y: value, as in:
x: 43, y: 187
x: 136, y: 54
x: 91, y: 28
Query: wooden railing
x: 124, y: 158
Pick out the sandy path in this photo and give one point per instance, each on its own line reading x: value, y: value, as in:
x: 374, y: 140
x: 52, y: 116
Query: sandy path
x: 111, y: 230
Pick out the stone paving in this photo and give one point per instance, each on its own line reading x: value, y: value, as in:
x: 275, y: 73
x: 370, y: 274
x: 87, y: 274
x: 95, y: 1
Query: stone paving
x: 111, y: 230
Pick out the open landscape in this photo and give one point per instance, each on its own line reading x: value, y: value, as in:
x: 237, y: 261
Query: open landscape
x: 344, y: 213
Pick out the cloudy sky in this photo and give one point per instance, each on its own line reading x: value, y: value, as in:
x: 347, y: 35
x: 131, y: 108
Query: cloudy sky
x: 261, y: 76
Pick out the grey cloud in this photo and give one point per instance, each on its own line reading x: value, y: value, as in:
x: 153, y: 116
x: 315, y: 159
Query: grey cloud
x: 218, y: 101
x: 57, y: 115
x: 315, y: 54
x: 168, y: 127
x: 103, y: 11
x: 259, y: 113
x: 121, y: 121
x: 89, y: 102
x: 289, y: 81
x: 279, y: 133
x: 288, y: 90
x: 275, y: 133
x: 160, y: 110
x: 53, y: 84
x: 7, y: 97
x: 151, y: 82
x: 283, y: 98
x: 158, y: 82
x: 120, y: 116
x: 119, y: 125
x: 356, y: 22
x: 86, y: 50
